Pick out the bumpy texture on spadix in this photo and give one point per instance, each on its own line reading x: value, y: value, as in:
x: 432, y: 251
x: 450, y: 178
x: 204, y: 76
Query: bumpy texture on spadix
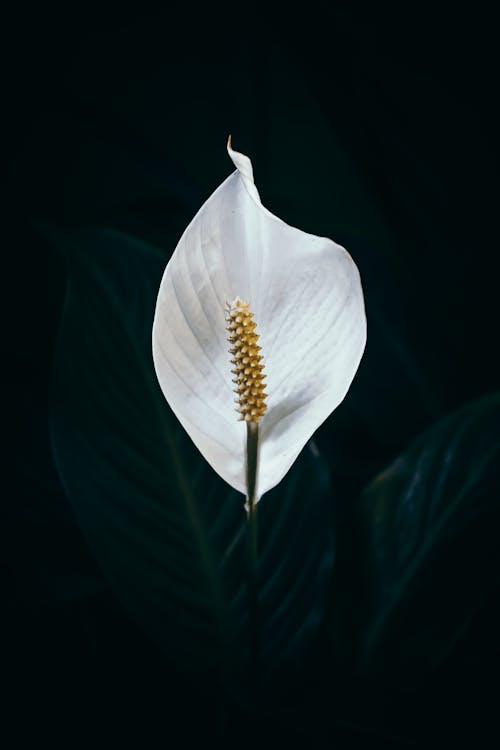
x: 247, y: 360
x: 305, y: 294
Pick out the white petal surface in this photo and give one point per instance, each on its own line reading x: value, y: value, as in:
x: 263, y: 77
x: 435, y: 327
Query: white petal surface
x: 307, y: 300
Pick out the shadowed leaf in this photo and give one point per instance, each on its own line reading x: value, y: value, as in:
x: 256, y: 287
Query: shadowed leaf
x: 427, y: 547
x: 168, y: 533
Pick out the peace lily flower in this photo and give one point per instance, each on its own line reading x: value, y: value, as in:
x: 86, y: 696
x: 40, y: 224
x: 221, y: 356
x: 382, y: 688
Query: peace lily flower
x: 259, y: 329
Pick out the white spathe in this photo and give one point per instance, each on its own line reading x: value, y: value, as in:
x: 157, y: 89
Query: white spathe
x: 306, y: 296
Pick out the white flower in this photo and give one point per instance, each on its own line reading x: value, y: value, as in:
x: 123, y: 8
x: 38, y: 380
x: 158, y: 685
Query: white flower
x: 306, y: 298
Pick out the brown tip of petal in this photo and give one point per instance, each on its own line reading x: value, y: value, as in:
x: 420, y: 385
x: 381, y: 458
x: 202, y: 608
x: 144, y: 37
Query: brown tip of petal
x: 243, y: 339
x: 229, y: 141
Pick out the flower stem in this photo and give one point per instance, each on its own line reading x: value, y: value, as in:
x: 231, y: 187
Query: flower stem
x: 252, y: 550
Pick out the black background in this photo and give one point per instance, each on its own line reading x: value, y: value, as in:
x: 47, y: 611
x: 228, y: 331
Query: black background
x: 378, y: 130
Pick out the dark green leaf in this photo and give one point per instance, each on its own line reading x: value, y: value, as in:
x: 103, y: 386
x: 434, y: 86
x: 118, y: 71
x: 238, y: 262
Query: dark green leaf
x: 426, y: 545
x: 168, y: 533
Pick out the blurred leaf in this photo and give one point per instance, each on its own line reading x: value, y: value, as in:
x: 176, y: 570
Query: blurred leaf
x: 426, y: 545
x: 168, y: 533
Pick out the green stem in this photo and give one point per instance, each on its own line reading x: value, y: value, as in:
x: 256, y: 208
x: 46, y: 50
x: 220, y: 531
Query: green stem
x: 252, y: 550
